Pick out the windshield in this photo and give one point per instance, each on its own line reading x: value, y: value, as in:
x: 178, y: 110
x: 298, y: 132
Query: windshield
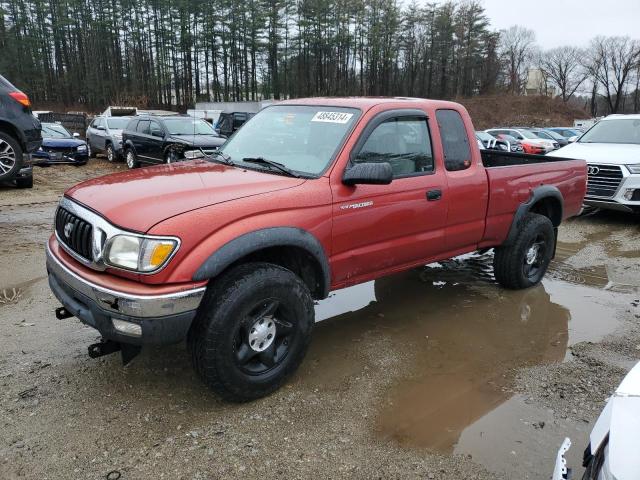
x: 622, y: 130
x: 53, y: 130
x: 117, y: 123
x: 545, y: 135
x: 302, y: 138
x: 188, y: 126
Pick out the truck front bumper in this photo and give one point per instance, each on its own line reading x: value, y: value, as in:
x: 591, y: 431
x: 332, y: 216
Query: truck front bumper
x: 120, y: 316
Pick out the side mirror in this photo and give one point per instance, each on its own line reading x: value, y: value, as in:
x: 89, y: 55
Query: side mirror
x: 368, y: 174
x: 100, y: 127
x: 157, y: 133
x: 76, y: 135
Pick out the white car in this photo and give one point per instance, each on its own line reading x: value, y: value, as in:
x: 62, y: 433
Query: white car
x: 611, y: 149
x: 525, y: 136
x: 612, y: 453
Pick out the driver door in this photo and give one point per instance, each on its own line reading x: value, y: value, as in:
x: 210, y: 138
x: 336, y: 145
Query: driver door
x: 381, y: 228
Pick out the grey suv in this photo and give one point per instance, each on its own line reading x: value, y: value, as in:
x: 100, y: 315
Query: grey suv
x: 105, y: 135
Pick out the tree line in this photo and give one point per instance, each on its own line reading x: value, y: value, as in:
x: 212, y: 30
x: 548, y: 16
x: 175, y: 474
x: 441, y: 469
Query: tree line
x: 172, y: 53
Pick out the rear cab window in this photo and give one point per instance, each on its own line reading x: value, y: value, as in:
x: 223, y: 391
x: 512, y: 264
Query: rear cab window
x: 455, y: 142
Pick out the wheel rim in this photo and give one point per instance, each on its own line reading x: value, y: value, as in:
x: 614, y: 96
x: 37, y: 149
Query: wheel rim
x: 535, y: 257
x: 264, y: 337
x: 110, y: 153
x: 7, y: 157
x: 130, y: 160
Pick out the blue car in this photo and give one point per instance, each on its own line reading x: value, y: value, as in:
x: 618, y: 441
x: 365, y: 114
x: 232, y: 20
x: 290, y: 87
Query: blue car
x: 59, y: 146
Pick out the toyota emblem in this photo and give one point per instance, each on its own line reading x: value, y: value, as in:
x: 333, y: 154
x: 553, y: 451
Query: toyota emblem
x: 593, y: 170
x: 68, y: 228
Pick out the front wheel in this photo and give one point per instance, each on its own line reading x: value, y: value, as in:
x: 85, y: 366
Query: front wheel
x: 252, y: 331
x: 132, y: 161
x: 523, y: 263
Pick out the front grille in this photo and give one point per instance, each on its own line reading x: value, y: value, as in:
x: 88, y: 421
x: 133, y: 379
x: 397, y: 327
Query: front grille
x: 75, y: 233
x: 604, y: 180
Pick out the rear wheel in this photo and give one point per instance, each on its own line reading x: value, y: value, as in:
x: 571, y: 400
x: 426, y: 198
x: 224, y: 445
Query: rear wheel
x: 10, y: 157
x: 132, y: 161
x: 523, y: 263
x: 111, y: 154
x: 252, y: 331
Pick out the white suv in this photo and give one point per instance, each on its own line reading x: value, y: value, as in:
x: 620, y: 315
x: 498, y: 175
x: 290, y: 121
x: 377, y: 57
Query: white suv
x: 612, y: 151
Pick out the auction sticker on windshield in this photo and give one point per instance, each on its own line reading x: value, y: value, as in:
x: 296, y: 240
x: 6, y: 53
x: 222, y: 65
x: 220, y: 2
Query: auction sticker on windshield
x: 332, y: 117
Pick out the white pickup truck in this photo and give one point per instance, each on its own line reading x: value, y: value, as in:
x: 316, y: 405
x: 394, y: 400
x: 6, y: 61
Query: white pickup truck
x: 611, y: 149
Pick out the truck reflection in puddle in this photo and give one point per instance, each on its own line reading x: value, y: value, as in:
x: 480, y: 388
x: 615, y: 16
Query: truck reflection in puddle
x: 459, y: 337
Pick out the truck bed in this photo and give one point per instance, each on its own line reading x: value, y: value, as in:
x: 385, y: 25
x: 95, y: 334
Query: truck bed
x: 498, y: 158
x: 513, y: 176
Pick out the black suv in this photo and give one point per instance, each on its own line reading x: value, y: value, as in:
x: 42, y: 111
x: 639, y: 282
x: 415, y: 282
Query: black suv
x: 19, y: 136
x: 164, y: 138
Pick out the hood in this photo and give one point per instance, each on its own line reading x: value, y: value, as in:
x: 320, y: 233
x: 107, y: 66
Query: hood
x: 607, y: 153
x: 198, y: 140
x: 138, y: 199
x: 62, y: 142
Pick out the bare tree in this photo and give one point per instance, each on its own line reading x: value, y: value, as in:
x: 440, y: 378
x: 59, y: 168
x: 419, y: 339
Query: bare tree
x: 517, y: 46
x: 563, y: 68
x: 612, y: 62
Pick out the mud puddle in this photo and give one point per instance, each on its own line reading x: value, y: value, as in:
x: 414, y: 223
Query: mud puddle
x: 459, y: 338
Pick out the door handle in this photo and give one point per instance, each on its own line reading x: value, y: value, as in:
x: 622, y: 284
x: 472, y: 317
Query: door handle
x: 433, y: 195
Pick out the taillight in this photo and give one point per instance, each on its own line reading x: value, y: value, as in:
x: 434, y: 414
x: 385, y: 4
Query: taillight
x: 21, y: 98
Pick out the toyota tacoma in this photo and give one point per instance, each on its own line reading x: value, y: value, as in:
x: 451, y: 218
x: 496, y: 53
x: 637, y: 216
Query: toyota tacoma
x: 229, y: 251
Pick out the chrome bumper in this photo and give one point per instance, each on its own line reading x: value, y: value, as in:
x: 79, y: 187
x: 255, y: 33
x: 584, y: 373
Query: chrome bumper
x: 139, y: 306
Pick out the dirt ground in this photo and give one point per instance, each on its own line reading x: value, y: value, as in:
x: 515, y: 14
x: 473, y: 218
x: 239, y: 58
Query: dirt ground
x: 436, y: 373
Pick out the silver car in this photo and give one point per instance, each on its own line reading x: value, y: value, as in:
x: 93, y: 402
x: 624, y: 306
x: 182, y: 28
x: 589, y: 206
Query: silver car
x: 104, y: 135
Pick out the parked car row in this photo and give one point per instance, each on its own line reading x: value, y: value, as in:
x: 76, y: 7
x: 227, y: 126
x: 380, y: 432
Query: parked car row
x: 531, y: 140
x: 150, y: 139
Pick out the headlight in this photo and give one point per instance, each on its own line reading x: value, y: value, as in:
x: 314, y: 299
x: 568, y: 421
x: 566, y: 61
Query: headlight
x: 140, y: 254
x: 117, y: 136
x: 191, y: 154
x: 81, y: 148
x: 634, y: 168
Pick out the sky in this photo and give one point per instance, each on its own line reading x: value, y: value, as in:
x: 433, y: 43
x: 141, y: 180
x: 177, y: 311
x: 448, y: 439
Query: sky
x: 567, y: 22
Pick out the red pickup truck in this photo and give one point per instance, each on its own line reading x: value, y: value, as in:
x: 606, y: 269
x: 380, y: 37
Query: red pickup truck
x: 230, y: 251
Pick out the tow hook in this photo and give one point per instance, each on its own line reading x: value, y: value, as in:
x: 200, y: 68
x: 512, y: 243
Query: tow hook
x: 62, y: 313
x: 107, y: 347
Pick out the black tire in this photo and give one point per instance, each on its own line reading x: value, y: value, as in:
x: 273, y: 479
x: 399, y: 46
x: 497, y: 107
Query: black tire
x: 11, y: 157
x: 24, y: 182
x: 595, y: 463
x: 111, y: 153
x: 131, y: 159
x: 517, y: 266
x: 171, y: 156
x: 220, y: 337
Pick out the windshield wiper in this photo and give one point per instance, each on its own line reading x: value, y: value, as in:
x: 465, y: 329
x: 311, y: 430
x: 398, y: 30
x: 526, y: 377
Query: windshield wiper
x: 271, y: 163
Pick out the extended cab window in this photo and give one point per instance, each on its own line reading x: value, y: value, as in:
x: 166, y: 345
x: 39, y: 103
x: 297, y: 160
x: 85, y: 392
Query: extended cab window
x: 403, y: 142
x: 455, y: 143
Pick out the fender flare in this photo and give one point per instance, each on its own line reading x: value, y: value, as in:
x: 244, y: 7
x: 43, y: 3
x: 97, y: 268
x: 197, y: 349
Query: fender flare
x: 539, y: 193
x: 257, y: 240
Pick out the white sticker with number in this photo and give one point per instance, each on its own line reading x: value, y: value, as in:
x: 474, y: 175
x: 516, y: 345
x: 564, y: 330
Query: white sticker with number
x: 332, y: 117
